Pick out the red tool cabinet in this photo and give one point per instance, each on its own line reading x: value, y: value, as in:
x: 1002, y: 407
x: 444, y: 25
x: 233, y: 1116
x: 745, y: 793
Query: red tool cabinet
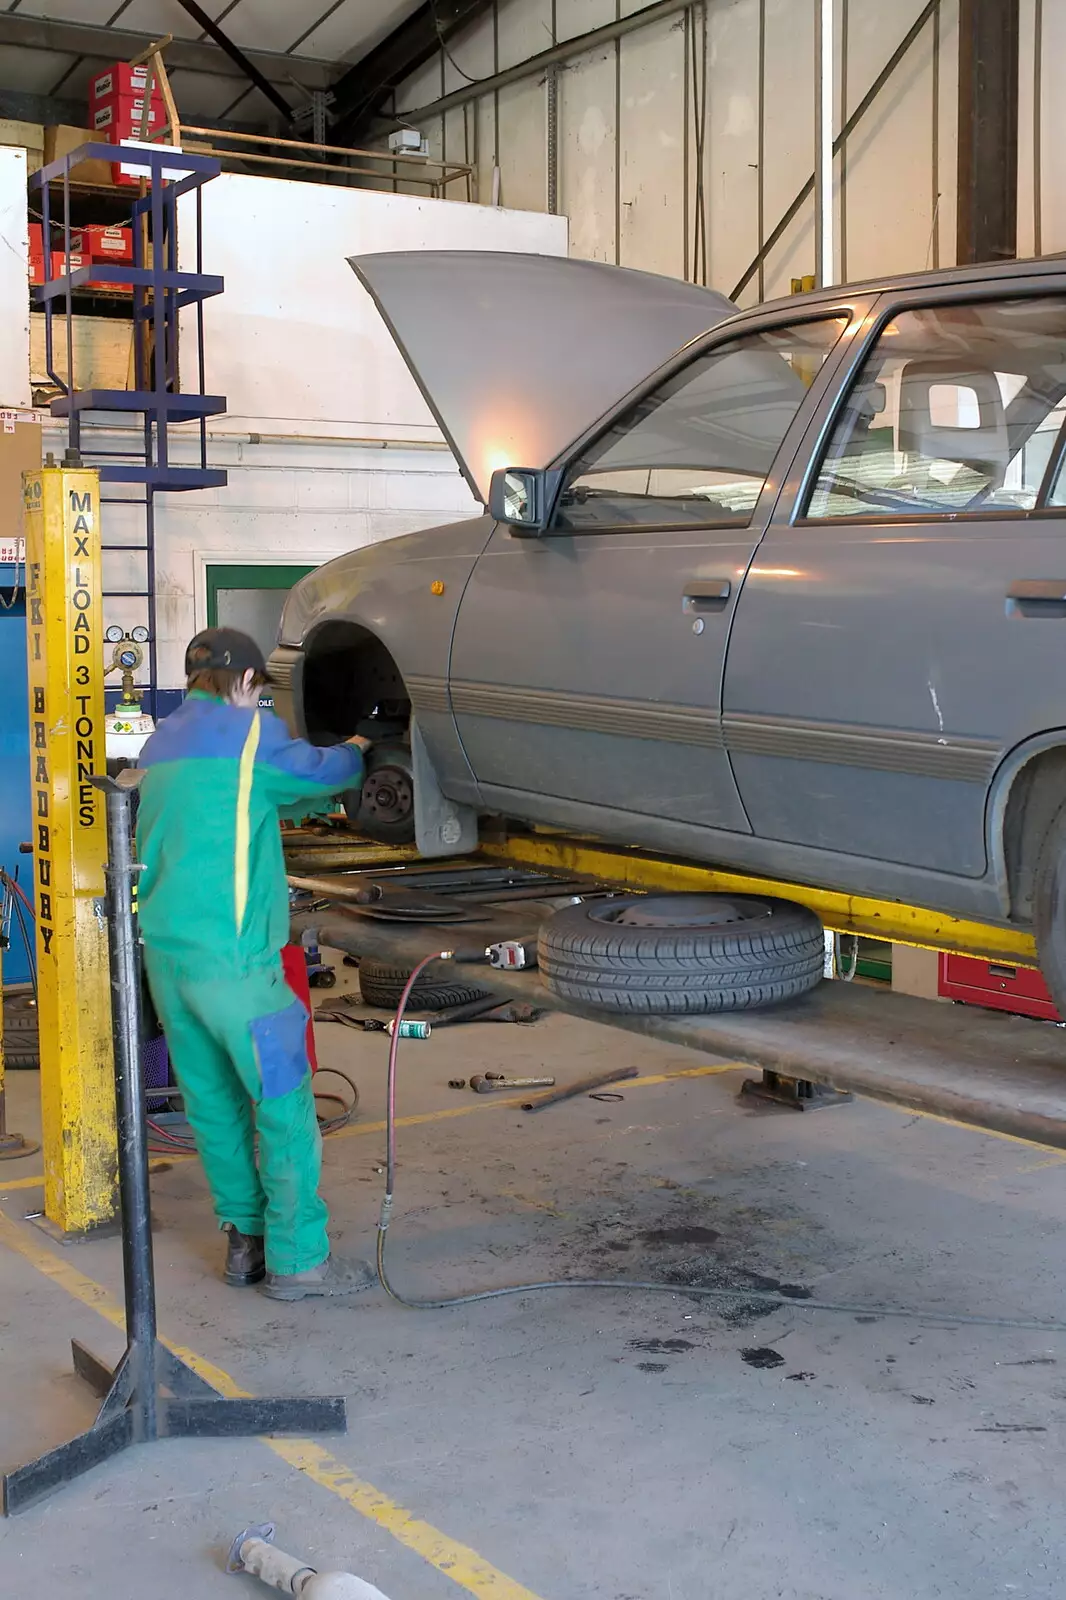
x: 996, y: 984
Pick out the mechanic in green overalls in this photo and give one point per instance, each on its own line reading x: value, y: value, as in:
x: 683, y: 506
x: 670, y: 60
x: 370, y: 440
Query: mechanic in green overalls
x: 214, y: 914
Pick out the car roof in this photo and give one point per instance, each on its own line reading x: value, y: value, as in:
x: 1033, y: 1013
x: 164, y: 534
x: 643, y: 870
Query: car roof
x: 994, y: 273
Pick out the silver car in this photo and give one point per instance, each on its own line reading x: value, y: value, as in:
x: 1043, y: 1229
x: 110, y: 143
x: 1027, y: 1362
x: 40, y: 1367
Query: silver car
x: 769, y: 589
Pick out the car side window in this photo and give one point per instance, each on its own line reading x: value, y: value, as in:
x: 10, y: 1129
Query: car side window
x: 956, y: 409
x: 697, y: 451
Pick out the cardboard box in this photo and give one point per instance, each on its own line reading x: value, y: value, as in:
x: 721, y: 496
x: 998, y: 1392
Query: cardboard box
x: 62, y: 139
x: 20, y: 451
x: 61, y: 266
x: 122, y: 79
x: 125, y: 180
x: 36, y: 267
x: 36, y: 239
x: 121, y: 118
x: 98, y: 243
x: 28, y: 136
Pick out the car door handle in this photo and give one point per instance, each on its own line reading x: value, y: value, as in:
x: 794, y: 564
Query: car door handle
x: 1037, y: 597
x: 706, y: 594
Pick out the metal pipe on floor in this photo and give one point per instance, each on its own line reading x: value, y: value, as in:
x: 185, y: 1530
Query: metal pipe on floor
x: 255, y: 1552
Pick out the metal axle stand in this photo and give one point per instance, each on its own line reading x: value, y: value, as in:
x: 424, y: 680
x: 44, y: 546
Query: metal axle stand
x: 795, y: 1094
x: 134, y: 1411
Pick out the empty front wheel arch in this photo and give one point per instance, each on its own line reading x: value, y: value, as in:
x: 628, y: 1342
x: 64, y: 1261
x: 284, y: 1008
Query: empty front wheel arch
x: 350, y: 679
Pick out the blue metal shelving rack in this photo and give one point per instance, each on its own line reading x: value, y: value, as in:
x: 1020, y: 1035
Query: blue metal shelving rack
x: 159, y: 293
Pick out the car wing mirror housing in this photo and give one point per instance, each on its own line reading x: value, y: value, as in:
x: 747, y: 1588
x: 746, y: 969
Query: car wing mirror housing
x: 521, y: 498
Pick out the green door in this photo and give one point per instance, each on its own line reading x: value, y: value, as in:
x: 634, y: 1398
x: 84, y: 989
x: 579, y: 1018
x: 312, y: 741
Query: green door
x: 251, y: 598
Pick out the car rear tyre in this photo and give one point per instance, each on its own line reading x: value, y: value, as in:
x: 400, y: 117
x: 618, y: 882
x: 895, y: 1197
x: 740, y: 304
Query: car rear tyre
x: 1049, y: 909
x: 384, y: 808
x: 21, y: 1044
x: 381, y: 983
x: 681, y: 953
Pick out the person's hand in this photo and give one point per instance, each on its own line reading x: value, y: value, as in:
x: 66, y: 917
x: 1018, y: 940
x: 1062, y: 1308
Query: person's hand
x: 360, y: 743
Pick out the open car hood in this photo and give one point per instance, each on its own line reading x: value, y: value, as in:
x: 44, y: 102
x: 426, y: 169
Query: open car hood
x: 517, y: 355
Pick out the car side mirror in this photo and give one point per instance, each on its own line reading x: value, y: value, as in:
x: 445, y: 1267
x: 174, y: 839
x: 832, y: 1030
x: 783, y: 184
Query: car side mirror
x: 517, y: 496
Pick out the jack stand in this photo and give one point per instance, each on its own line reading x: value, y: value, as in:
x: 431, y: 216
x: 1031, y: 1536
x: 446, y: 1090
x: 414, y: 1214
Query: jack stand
x: 795, y: 1094
x: 133, y: 1410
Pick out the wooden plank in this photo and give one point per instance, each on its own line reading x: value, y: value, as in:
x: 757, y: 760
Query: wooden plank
x: 103, y: 351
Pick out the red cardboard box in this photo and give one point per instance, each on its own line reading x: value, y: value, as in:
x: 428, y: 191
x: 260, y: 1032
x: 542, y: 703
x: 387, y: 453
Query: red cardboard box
x: 121, y: 119
x: 121, y: 79
x: 36, y: 239
x: 36, y: 268
x: 60, y: 268
x: 97, y: 243
x: 124, y: 180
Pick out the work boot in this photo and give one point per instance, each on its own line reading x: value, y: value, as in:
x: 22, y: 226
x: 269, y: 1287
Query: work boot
x: 333, y: 1278
x: 245, y: 1261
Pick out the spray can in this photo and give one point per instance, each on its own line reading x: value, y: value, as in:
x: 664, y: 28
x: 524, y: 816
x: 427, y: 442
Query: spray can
x: 410, y: 1030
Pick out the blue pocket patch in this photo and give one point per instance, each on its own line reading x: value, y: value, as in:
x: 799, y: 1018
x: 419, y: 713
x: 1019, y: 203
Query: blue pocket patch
x: 280, y: 1041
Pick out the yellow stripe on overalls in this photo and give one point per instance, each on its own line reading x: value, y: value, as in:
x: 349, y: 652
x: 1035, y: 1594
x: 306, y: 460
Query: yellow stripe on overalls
x: 243, y: 846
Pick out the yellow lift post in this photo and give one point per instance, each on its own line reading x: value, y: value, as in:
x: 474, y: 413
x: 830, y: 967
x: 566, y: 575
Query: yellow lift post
x: 64, y: 638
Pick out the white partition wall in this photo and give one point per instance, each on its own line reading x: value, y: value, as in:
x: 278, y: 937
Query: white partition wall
x: 14, y: 265
x: 295, y: 343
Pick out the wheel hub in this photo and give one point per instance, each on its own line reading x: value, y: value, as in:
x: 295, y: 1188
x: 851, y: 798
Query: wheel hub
x: 388, y: 795
x: 681, y: 911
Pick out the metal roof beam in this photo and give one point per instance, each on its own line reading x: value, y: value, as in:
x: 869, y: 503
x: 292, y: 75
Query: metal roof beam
x: 238, y: 56
x: 364, y: 89
x: 193, y: 55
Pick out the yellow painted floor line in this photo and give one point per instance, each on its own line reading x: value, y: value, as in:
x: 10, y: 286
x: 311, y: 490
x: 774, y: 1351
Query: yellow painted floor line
x: 456, y: 1561
x: 476, y: 1103
x: 159, y: 1164
x: 970, y: 1127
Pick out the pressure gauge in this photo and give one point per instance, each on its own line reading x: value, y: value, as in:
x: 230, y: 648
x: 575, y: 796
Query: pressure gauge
x: 114, y: 633
x: 139, y: 634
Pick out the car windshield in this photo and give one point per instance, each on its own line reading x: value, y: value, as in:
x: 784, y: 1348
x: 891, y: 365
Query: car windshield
x: 700, y: 447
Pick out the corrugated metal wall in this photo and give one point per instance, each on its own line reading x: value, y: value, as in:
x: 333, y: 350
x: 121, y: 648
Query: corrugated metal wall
x: 680, y: 146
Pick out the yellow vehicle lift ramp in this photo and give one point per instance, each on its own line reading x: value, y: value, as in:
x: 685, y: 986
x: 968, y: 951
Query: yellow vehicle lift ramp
x: 843, y: 913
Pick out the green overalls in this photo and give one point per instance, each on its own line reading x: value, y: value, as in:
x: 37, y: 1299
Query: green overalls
x: 214, y: 915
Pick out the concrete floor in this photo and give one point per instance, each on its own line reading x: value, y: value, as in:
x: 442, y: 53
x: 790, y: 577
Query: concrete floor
x: 590, y: 1446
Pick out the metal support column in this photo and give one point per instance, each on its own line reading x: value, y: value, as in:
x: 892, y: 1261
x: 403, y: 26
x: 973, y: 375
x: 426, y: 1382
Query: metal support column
x: 65, y: 644
x: 988, y: 131
x: 134, y: 1410
x: 824, y: 253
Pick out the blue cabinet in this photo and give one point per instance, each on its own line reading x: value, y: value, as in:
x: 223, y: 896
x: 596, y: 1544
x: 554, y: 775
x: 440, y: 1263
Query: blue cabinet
x: 14, y: 756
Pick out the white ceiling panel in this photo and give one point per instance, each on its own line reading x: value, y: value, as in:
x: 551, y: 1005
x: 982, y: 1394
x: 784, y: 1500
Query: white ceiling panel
x: 202, y: 95
x: 32, y: 71
x: 333, y: 32
x: 157, y: 17
x: 339, y: 31
x: 98, y: 11
x: 268, y: 25
x: 355, y: 28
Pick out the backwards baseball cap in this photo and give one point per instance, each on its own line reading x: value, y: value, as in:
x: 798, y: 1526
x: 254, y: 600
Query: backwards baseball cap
x: 224, y: 650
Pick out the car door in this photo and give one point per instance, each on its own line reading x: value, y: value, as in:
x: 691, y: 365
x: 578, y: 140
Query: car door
x: 586, y: 664
x: 901, y: 626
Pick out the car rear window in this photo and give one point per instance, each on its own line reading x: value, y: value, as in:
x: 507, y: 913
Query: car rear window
x: 957, y: 409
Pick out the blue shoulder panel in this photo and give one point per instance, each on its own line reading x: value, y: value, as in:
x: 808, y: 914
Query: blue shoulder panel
x: 338, y: 766
x: 198, y: 729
